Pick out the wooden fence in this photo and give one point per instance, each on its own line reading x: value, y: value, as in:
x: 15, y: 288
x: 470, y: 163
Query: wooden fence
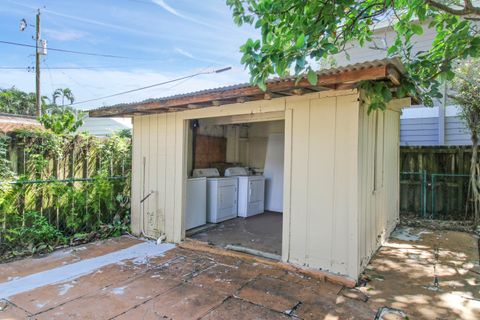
x: 434, y: 182
x: 75, y: 182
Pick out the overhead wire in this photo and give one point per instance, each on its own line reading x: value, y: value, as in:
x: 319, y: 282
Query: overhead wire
x: 73, y: 51
x: 153, y: 85
x: 50, y: 76
x: 64, y: 68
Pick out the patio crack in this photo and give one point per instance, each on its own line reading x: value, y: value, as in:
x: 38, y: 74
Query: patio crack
x: 181, y: 283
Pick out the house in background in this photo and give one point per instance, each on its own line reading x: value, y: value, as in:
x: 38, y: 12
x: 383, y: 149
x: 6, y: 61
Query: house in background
x: 10, y: 122
x: 419, y: 126
x: 102, y: 127
x: 339, y: 172
x: 436, y: 126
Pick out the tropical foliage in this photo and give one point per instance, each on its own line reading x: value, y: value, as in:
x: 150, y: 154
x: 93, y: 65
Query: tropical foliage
x: 61, y: 189
x: 62, y: 119
x: 18, y: 102
x: 296, y: 35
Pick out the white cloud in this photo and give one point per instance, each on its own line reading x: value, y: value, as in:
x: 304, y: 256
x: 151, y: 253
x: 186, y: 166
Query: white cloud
x: 66, y: 35
x: 173, y: 11
x: 184, y: 53
x: 165, y: 6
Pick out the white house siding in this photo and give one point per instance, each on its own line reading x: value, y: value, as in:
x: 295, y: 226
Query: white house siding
x: 418, y: 130
x: 422, y: 127
x: 355, y: 53
x: 104, y: 126
x: 456, y: 132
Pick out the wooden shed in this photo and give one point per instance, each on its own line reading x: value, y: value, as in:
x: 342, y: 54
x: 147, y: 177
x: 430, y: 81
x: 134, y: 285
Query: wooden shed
x: 340, y: 164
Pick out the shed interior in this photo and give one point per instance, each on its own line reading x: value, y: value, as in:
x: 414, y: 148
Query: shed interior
x: 241, y: 213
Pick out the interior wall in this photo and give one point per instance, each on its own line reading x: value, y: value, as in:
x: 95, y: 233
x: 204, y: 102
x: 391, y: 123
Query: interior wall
x: 209, y: 150
x: 246, y: 144
x: 256, y: 144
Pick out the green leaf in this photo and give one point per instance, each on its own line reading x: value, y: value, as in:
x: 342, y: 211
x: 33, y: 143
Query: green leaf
x: 262, y: 85
x: 391, y: 50
x: 416, y: 29
x: 300, y: 41
x: 312, y: 77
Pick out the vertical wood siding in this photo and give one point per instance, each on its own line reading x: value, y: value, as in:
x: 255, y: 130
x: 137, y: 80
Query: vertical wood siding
x: 154, y: 141
x: 323, y: 182
x: 378, y: 189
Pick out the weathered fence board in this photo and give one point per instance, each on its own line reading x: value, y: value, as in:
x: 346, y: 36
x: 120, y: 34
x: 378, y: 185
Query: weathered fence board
x: 434, y: 182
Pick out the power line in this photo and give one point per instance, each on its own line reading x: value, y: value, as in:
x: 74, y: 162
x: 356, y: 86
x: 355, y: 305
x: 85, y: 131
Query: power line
x: 155, y: 85
x: 62, y: 68
x: 72, y: 51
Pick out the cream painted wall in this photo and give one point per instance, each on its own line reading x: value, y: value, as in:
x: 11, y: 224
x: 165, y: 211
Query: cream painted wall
x: 256, y: 142
x: 378, y: 184
x: 328, y: 222
x: 323, y: 183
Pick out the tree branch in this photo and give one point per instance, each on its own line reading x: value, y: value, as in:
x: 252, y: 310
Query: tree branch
x: 468, y: 9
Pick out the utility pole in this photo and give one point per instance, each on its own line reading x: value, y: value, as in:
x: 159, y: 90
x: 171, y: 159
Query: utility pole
x: 38, y: 47
x: 40, y: 50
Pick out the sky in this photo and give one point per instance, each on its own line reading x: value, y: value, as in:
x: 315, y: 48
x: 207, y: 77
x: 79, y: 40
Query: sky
x: 159, y: 40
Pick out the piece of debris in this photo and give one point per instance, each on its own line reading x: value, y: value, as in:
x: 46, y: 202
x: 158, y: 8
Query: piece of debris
x: 353, y: 294
x: 364, y: 280
x: 293, y: 311
x: 118, y: 291
x: 63, y: 289
x: 3, y: 305
x: 254, y: 252
x: 405, y: 234
x: 386, y: 313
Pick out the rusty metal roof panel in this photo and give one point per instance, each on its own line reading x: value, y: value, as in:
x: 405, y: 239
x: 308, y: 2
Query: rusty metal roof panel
x: 331, y: 71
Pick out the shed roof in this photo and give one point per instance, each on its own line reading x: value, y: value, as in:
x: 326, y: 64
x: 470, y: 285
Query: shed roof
x: 329, y: 79
x: 10, y: 122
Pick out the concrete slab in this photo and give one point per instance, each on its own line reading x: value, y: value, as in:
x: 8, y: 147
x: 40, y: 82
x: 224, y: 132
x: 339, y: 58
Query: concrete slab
x: 243, y: 310
x: 222, y: 278
x: 51, y: 296
x: 276, y: 294
x: 139, y: 253
x: 183, y: 302
x: 8, y: 311
x: 190, y: 284
x: 20, y: 268
x: 427, y: 274
x: 262, y: 232
x: 113, y: 300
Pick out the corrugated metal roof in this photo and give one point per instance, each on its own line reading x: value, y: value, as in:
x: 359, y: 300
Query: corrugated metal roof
x: 326, y: 72
x: 10, y: 122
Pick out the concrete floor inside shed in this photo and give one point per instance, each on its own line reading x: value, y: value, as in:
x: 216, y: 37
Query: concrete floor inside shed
x: 419, y: 274
x: 262, y: 232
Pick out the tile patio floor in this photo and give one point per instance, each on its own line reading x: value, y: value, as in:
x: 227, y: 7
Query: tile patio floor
x: 186, y: 284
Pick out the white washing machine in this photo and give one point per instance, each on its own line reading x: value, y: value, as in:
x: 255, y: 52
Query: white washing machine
x: 251, y: 191
x: 196, y: 206
x: 221, y: 195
